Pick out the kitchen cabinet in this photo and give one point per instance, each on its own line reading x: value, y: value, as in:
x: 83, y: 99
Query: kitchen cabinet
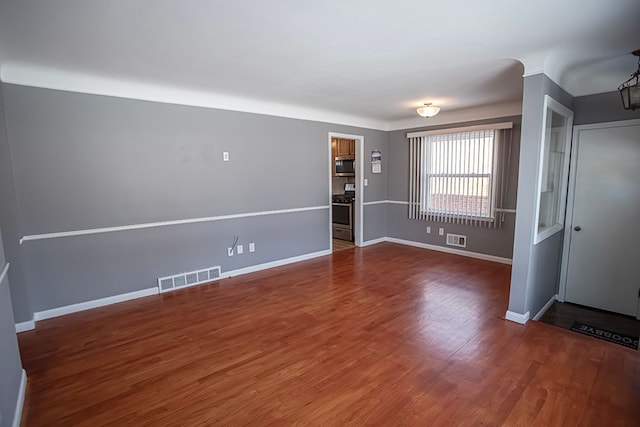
x: 343, y: 147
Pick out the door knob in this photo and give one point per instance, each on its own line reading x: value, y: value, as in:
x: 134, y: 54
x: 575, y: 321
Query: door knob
x: 577, y: 228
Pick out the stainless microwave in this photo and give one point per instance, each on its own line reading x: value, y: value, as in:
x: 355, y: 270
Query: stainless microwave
x: 345, y: 166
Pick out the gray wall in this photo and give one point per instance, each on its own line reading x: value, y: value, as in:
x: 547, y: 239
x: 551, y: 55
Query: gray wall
x: 536, y: 268
x: 10, y: 366
x: 10, y: 222
x: 375, y: 217
x: 497, y: 242
x: 72, y: 161
x: 85, y: 161
x: 601, y: 108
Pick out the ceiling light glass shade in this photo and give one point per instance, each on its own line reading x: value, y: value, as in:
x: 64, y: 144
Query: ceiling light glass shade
x: 630, y: 90
x: 428, y: 110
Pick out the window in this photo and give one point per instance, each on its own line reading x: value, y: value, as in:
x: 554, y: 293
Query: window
x: 455, y: 174
x: 458, y: 172
x: 553, y: 175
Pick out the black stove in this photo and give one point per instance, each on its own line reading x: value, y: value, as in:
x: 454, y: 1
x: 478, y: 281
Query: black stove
x: 347, y: 197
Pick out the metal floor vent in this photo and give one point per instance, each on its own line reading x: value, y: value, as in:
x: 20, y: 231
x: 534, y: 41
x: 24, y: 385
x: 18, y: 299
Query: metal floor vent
x: 191, y: 278
x: 456, y: 240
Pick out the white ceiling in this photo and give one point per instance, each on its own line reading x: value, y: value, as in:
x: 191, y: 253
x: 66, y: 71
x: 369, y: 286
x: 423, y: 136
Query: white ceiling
x: 371, y: 61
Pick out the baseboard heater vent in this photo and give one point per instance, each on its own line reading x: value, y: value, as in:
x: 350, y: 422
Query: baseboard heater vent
x: 191, y: 278
x: 457, y: 240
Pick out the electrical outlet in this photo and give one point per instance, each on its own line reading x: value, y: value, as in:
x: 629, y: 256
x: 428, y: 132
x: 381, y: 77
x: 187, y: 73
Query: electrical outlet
x: 252, y: 247
x: 441, y: 231
x: 230, y: 251
x: 428, y: 230
x: 240, y: 249
x: 225, y: 156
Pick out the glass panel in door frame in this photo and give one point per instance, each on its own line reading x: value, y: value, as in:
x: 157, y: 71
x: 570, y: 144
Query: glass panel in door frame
x: 553, y: 172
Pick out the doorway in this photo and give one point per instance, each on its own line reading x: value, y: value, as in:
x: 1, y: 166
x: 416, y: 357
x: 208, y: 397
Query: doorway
x: 601, y: 237
x: 345, y: 190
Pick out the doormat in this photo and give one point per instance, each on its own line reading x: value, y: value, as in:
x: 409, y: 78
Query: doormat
x: 603, y: 334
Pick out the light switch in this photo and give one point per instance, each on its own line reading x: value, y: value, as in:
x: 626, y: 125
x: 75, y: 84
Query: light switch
x: 441, y: 231
x: 225, y: 156
x: 240, y: 249
x: 429, y: 230
x: 366, y: 182
x: 252, y: 247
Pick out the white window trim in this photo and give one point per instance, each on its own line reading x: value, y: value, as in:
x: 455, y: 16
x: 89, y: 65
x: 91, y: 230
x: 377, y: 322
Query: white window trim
x: 553, y: 105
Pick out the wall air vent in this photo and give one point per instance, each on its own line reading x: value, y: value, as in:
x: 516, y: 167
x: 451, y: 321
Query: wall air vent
x: 457, y: 240
x: 190, y: 278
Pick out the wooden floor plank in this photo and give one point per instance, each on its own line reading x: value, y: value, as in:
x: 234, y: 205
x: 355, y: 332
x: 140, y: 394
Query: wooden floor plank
x: 383, y: 335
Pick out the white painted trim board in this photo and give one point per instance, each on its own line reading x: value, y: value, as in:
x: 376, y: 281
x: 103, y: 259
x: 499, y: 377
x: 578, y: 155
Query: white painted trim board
x: 29, y: 325
x: 546, y: 307
x: 17, y: 414
x: 437, y: 248
x: 390, y: 202
x: 517, y: 317
x: 376, y: 202
x: 4, y: 273
x: 331, y: 164
x: 453, y: 251
x: 273, y: 264
x: 374, y: 241
x: 165, y: 223
x: 87, y: 305
x: 359, y: 206
x: 550, y: 104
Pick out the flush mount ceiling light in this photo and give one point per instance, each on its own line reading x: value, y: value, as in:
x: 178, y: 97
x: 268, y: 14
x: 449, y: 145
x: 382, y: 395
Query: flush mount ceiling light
x: 630, y: 90
x: 428, y: 110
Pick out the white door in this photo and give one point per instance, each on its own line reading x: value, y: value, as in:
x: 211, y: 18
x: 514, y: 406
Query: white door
x: 604, y: 254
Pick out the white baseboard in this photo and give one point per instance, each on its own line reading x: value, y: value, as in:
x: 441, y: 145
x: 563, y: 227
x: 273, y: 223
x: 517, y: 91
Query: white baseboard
x: 25, y: 326
x: 272, y: 264
x: 4, y: 273
x: 17, y: 414
x: 373, y: 242
x: 517, y: 317
x: 449, y: 250
x: 73, y: 308
x: 545, y: 307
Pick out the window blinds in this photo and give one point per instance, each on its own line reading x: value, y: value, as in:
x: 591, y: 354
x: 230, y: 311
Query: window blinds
x: 459, y: 176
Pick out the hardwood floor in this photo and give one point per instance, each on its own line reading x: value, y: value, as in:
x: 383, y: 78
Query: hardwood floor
x: 341, y: 245
x: 384, y: 335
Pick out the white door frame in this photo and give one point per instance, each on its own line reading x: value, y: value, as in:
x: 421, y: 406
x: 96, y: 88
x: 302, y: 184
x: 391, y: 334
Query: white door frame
x: 358, y: 225
x: 568, y: 225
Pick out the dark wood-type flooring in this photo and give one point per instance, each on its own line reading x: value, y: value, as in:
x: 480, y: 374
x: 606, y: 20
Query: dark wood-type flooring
x: 384, y: 335
x: 341, y: 245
